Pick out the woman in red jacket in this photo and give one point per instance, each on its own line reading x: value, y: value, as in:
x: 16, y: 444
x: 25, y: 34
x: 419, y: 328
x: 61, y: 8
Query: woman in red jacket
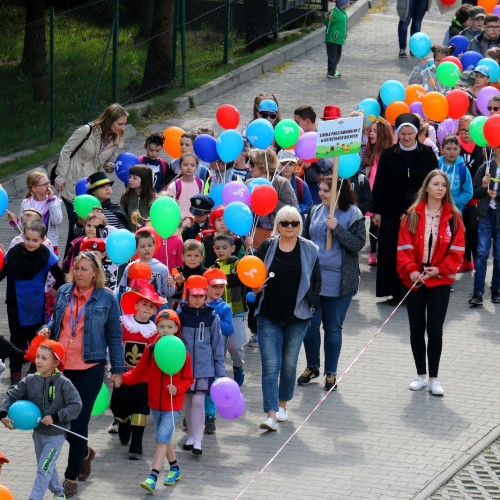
x: 431, y: 245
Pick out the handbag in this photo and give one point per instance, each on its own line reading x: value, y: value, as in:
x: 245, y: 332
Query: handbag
x: 53, y: 175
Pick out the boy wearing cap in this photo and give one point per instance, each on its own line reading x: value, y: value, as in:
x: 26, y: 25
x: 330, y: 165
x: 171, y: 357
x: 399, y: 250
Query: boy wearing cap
x: 489, y: 37
x: 59, y: 403
x: 335, y: 36
x: 482, y: 79
x: 201, y: 207
x: 477, y: 15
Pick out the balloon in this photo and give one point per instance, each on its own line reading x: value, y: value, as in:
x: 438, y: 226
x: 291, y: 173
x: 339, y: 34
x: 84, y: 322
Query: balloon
x: 225, y: 392
x: 447, y: 127
x: 216, y: 194
x: 123, y: 163
x: 447, y: 74
x: 170, y: 354
x: 102, y: 401
x: 414, y: 93
x: 458, y: 103
x: 230, y: 145
x: 435, y: 106
x: 454, y: 60
x: 416, y: 108
x: 491, y: 130
x: 165, y: 216
x: 235, y: 191
x: 2, y: 261
x: 238, y: 218
x: 461, y: 43
x: 496, y: 10
x: 139, y: 271
x: 395, y: 109
x: 493, y: 66
x: 448, y: 2
x: 369, y: 107
x: 349, y: 165
x: 476, y: 131
x: 257, y: 181
x: 227, y: 116
x: 286, y: 133
x: 470, y: 59
x: 156, y: 236
x: 234, y: 411
x: 306, y: 145
x: 25, y: 414
x: 392, y: 90
x: 488, y: 5
x: 6, y: 494
x: 263, y: 199
x: 252, y: 271
x: 420, y: 44
x: 205, y: 148
x: 120, y: 246
x: 251, y: 297
x: 172, y: 144
x: 484, y: 97
x: 84, y: 204
x: 260, y: 133
x: 4, y: 200
x: 81, y: 186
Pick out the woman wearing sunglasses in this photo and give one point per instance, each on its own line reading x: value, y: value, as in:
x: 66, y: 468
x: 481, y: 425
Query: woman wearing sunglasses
x: 339, y: 273
x: 284, y: 308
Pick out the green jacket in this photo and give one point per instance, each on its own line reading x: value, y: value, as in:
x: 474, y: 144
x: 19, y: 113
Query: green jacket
x: 336, y: 28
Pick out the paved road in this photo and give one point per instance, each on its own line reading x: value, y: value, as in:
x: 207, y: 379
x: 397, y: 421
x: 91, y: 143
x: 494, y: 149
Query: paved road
x: 371, y: 439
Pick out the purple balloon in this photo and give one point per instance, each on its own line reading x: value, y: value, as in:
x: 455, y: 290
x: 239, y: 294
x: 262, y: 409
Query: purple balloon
x: 447, y: 127
x: 470, y: 59
x: 484, y: 97
x: 461, y: 43
x: 496, y: 10
x: 225, y: 392
x: 81, y: 186
x: 233, y: 412
x: 416, y: 107
x: 305, y: 148
x: 235, y: 191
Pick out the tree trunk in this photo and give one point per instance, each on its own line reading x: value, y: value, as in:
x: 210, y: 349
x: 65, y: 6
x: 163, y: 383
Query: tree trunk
x: 158, y: 72
x: 146, y: 19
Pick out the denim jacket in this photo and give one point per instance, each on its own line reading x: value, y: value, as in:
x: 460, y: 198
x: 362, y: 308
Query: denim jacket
x: 101, y: 326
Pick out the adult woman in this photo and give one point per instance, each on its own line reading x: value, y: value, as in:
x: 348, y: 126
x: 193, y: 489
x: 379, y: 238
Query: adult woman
x: 86, y: 321
x: 339, y: 275
x: 284, y: 308
x: 401, y: 170
x: 91, y: 148
x: 430, y: 248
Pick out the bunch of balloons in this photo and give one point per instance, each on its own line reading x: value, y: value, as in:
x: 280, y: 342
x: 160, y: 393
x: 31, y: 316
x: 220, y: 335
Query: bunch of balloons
x: 228, y: 399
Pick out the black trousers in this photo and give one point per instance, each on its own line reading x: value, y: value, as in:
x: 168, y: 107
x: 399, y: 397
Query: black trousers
x: 469, y: 216
x: 333, y: 52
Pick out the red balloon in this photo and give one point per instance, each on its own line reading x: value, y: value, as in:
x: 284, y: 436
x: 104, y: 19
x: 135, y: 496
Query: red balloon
x: 492, y: 130
x: 454, y: 60
x: 448, y: 2
x: 458, y: 103
x: 2, y: 260
x: 263, y: 199
x: 157, y: 238
x: 228, y: 116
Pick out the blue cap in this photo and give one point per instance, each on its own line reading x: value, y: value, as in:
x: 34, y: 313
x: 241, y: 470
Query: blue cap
x: 268, y: 105
x: 483, y: 69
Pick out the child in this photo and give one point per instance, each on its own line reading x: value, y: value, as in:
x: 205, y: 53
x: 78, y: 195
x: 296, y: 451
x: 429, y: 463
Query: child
x: 187, y: 146
x: 221, y: 173
x: 240, y: 166
x: 361, y: 187
x: 460, y: 21
x: 30, y: 214
x: 335, y: 37
x: 165, y: 404
x: 201, y: 207
x: 186, y: 185
x: 139, y: 196
x: 59, y: 402
x: 161, y: 172
x: 477, y: 15
x: 130, y: 404
x: 26, y: 267
x: 201, y: 333
x: 98, y: 247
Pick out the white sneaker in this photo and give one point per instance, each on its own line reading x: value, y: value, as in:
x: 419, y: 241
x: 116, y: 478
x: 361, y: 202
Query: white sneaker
x: 113, y: 427
x: 418, y: 384
x: 282, y: 415
x: 435, y: 388
x: 269, y: 424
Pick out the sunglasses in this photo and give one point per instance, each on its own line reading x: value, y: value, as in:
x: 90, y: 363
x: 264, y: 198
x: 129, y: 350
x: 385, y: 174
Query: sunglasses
x: 286, y: 223
x: 264, y: 114
x: 492, y: 108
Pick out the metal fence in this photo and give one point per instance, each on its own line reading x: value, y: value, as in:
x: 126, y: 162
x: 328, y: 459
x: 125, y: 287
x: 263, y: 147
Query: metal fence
x: 63, y: 67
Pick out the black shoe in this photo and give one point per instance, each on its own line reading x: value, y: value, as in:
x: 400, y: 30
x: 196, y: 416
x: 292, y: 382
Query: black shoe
x: 307, y: 375
x: 495, y: 296
x: 476, y: 298
x: 187, y: 447
x: 403, y: 54
x: 197, y: 452
x: 124, y: 432
x: 330, y: 380
x: 210, y: 425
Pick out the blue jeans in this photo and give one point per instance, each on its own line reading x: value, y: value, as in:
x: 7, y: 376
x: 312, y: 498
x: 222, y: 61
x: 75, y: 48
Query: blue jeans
x: 416, y: 13
x: 487, y: 232
x: 279, y: 345
x: 331, y: 312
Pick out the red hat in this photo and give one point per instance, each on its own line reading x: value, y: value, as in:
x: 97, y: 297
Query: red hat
x: 3, y: 459
x: 58, y: 350
x: 165, y: 314
x: 331, y: 113
x: 130, y: 299
x: 215, y: 276
x: 197, y: 285
x: 91, y: 244
x: 140, y: 270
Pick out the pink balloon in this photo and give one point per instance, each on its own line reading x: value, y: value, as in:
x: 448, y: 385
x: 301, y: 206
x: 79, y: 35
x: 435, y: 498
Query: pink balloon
x: 447, y: 127
x: 305, y: 148
x: 235, y: 191
x: 483, y: 98
x: 225, y: 392
x: 416, y: 107
x: 233, y: 412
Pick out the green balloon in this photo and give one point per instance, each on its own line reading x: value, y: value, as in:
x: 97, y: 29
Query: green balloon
x: 165, y: 216
x: 476, y: 131
x: 102, y: 401
x: 84, y: 204
x: 170, y: 354
x: 447, y: 74
x: 286, y: 133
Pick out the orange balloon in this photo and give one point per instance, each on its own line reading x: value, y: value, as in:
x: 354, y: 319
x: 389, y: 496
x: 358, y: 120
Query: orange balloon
x: 395, y: 109
x: 414, y: 93
x: 5, y: 493
x: 140, y: 270
x: 172, y: 144
x: 488, y: 5
x: 435, y: 106
x: 251, y: 271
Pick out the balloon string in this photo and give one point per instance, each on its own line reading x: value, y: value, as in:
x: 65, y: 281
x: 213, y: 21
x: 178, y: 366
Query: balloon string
x: 67, y: 430
x: 166, y: 251
x: 278, y: 172
x: 254, y: 226
x: 267, y: 166
x: 172, y: 404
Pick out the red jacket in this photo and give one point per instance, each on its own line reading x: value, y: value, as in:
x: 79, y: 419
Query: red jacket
x: 158, y: 395
x: 448, y: 251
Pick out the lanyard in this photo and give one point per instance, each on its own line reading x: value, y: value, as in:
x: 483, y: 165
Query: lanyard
x: 74, y: 324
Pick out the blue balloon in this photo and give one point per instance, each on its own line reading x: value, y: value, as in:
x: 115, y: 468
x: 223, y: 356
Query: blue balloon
x: 120, y: 246
x: 470, y: 59
x: 493, y: 66
x: 123, y: 164
x: 420, y: 44
x: 260, y: 133
x: 349, y: 165
x: 4, y: 201
x: 216, y: 194
x: 25, y: 414
x: 238, y: 218
x: 81, y: 186
x: 205, y: 148
x: 391, y: 91
x: 258, y: 181
x: 369, y: 107
x: 461, y: 43
x: 230, y: 145
x: 251, y: 297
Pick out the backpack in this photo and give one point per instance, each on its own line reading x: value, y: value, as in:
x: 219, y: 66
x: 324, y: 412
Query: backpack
x: 178, y: 186
x: 163, y: 165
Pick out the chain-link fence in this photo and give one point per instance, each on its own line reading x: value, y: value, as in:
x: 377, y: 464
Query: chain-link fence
x: 61, y: 68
